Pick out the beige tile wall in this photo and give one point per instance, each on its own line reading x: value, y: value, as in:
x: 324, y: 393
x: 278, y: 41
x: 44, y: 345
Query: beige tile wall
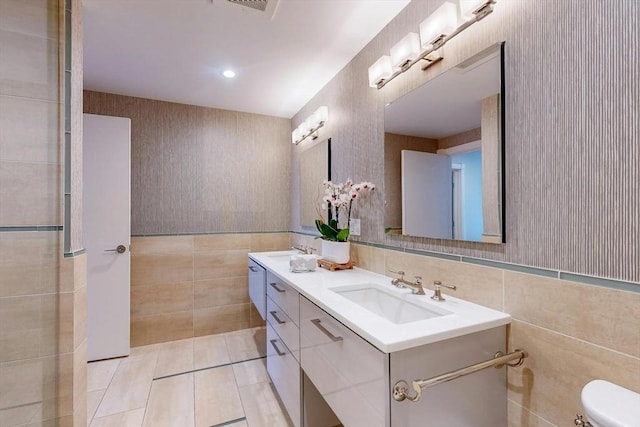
x: 42, y: 331
x: 185, y: 286
x: 573, y: 332
x: 42, y: 296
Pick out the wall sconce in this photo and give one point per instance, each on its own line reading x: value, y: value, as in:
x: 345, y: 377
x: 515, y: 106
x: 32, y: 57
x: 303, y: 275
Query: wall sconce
x: 309, y: 127
x: 381, y: 70
x: 440, y: 27
x: 435, y: 29
x: 471, y: 9
x: 405, y: 51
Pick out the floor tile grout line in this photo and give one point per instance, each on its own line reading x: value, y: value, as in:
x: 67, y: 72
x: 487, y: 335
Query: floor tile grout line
x: 193, y: 363
x: 235, y: 379
x: 226, y: 423
x: 146, y: 403
x: 115, y: 371
x: 95, y: 411
x: 195, y: 415
x: 209, y: 367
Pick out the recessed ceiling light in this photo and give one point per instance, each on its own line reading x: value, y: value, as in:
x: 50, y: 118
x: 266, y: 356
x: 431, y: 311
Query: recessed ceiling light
x: 229, y: 74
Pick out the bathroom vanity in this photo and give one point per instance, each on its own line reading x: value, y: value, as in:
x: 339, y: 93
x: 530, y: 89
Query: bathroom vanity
x: 338, y: 342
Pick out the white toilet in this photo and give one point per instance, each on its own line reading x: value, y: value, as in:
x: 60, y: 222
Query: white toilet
x: 609, y: 405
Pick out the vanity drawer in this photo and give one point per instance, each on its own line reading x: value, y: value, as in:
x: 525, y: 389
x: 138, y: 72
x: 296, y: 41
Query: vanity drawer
x: 284, y: 296
x: 284, y: 327
x: 350, y: 374
x: 257, y: 287
x: 284, y: 371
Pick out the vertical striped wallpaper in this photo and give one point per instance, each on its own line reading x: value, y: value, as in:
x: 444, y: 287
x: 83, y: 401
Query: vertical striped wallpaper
x: 572, y: 131
x: 202, y: 170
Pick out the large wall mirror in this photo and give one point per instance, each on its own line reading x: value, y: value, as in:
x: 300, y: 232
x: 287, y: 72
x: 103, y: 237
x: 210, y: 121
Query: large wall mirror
x: 444, y: 160
x: 315, y: 167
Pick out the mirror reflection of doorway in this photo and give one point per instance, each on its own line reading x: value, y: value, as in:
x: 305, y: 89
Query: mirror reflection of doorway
x: 450, y: 206
x: 466, y: 168
x: 457, y: 189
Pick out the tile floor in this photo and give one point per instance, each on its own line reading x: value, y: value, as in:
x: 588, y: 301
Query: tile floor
x: 215, y: 380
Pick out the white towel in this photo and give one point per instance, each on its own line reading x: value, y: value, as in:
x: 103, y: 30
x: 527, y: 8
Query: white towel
x: 302, y: 262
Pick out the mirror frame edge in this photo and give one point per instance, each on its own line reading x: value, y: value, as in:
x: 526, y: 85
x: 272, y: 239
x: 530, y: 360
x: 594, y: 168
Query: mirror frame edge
x: 503, y: 132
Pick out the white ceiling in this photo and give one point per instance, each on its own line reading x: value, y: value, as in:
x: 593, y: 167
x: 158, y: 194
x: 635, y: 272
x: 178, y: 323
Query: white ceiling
x: 176, y: 50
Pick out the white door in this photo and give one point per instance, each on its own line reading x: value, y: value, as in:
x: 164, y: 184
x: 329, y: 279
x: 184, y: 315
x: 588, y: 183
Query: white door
x: 458, y: 202
x: 426, y: 195
x: 107, y: 231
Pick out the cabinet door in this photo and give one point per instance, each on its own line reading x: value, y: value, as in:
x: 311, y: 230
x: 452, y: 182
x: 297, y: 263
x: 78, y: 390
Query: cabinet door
x: 284, y: 371
x: 350, y: 374
x: 257, y: 287
x: 478, y: 399
x: 284, y: 295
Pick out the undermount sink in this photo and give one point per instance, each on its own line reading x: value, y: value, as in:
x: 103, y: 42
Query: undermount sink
x: 386, y: 304
x: 281, y: 256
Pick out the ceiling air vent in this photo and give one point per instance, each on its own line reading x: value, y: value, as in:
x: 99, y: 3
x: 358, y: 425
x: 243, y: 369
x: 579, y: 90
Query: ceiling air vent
x: 260, y: 5
x: 263, y: 8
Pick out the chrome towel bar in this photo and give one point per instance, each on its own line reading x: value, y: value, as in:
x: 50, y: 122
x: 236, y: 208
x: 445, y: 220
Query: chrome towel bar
x: 401, y: 388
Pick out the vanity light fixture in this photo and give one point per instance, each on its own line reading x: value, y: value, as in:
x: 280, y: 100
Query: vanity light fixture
x: 440, y: 27
x: 435, y: 29
x: 309, y: 127
x: 380, y: 71
x: 405, y: 51
x: 471, y: 9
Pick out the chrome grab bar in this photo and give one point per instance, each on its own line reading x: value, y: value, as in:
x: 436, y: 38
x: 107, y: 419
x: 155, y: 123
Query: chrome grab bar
x: 400, y: 390
x: 318, y: 324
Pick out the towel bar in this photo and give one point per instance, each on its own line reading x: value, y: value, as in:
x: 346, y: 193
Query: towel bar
x: 401, y: 388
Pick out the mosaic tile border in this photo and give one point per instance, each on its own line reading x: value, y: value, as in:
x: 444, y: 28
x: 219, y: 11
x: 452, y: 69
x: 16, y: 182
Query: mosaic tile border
x: 555, y: 274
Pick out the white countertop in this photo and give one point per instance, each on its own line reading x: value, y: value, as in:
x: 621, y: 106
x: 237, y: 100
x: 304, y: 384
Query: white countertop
x: 464, y: 317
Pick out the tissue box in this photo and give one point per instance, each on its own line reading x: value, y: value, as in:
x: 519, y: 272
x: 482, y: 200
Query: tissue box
x: 300, y: 262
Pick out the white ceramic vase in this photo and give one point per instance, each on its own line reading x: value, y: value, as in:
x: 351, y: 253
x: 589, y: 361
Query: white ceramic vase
x: 336, y: 251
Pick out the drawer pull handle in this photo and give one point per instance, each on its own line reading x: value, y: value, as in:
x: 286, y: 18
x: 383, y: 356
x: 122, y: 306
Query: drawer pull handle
x: 275, y: 316
x: 318, y: 324
x: 280, y: 353
x: 274, y: 285
x: 253, y: 269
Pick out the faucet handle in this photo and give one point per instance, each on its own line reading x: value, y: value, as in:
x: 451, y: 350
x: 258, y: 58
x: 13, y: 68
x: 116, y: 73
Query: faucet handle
x: 580, y: 421
x: 399, y: 272
x: 302, y: 249
x: 437, y: 293
x: 438, y: 283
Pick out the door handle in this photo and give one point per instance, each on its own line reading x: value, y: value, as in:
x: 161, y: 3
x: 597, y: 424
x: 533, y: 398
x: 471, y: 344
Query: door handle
x: 273, y: 344
x: 318, y: 324
x: 275, y: 286
x: 253, y: 269
x: 120, y: 249
x: 275, y: 316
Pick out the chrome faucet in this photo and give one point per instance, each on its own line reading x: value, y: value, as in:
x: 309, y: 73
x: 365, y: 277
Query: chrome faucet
x: 400, y: 282
x: 304, y: 249
x: 437, y: 292
x: 580, y: 421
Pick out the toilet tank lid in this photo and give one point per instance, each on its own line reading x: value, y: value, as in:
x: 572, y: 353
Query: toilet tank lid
x: 611, y: 405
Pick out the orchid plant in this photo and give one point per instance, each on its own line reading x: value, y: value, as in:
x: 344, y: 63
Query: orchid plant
x: 337, y: 199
